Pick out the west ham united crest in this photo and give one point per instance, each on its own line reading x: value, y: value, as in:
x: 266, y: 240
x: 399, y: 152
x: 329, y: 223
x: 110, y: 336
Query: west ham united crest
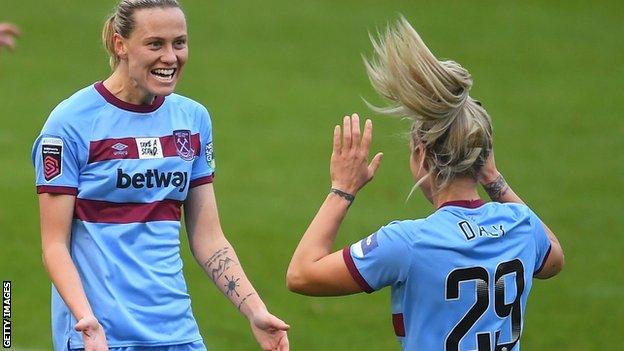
x: 52, y: 157
x: 182, y: 140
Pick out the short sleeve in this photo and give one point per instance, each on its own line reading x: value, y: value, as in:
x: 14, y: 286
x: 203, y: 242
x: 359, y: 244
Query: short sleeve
x: 204, y: 166
x: 379, y: 260
x: 542, y: 242
x: 57, y: 166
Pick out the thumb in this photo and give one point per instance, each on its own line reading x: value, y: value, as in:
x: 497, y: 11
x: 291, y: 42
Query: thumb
x: 277, y: 323
x: 85, y: 324
x: 374, y: 165
x: 82, y: 325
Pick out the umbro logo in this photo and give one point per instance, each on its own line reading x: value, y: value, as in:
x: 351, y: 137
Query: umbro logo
x: 120, y: 149
x: 120, y: 146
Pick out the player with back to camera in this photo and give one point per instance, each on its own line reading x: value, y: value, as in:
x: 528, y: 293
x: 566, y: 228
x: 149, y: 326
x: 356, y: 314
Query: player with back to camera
x: 460, y: 278
x: 115, y: 163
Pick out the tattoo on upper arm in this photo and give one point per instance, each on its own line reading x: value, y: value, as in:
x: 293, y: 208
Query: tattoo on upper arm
x: 219, y: 263
x: 496, y: 189
x: 245, y: 299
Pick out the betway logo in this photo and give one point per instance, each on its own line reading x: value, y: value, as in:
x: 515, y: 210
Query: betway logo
x: 152, y: 178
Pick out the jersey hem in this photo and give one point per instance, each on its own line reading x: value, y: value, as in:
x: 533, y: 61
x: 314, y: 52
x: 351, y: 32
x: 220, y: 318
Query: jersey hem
x: 355, y: 273
x: 142, y: 343
x: 399, y: 324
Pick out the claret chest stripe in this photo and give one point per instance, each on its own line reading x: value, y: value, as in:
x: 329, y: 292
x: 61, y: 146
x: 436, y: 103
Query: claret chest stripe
x: 127, y: 148
x: 96, y: 211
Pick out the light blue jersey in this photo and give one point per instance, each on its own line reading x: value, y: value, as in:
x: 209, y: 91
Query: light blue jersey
x: 130, y: 168
x: 460, y: 278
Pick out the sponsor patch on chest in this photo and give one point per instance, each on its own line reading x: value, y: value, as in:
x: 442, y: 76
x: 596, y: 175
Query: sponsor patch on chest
x: 149, y: 148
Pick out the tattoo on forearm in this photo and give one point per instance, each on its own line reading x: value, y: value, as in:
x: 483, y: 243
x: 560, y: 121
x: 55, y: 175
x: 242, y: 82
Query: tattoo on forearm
x: 231, y: 285
x: 496, y: 189
x: 219, y: 263
x: 245, y: 299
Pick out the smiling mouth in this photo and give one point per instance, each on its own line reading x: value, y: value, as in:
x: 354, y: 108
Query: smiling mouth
x: 164, y: 74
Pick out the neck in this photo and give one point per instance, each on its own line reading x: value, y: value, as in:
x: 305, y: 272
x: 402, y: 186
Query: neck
x: 458, y: 189
x: 126, y: 89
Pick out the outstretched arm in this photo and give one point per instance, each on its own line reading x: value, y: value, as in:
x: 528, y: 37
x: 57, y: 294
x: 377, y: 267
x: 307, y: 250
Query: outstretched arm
x: 497, y: 188
x: 56, y: 212
x: 218, y: 259
x: 314, y: 269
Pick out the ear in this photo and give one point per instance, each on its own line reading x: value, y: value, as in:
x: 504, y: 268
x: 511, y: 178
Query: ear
x: 418, y: 156
x: 121, y: 48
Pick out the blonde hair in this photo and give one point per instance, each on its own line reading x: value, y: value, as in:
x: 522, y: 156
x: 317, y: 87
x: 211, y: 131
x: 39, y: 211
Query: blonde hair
x: 122, y: 21
x: 454, y: 128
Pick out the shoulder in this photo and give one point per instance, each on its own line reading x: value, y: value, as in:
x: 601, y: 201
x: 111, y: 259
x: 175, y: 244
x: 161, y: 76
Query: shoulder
x: 513, y: 210
x: 187, y: 104
x: 406, y: 231
x: 85, y: 99
x: 74, y: 114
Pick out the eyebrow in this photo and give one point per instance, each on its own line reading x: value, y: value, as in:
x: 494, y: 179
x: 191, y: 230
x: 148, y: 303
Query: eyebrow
x: 161, y: 38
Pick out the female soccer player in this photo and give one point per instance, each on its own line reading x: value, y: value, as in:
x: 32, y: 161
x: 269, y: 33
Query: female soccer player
x: 115, y: 163
x: 460, y: 277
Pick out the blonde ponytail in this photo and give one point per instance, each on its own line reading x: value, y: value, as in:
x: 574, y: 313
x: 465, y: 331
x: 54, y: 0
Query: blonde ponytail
x: 455, y: 128
x: 107, y: 39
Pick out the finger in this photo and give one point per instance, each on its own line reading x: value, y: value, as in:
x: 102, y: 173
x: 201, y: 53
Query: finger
x: 337, y: 139
x: 283, y: 344
x: 278, y: 324
x: 368, y: 135
x: 355, y: 130
x: 7, y: 41
x: 9, y: 28
x: 82, y: 325
x: 346, y: 133
x: 374, y: 165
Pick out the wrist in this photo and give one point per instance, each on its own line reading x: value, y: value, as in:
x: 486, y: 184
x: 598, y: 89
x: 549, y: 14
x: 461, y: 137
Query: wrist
x: 347, y: 188
x: 490, y: 177
x: 348, y: 197
x: 497, y: 188
x: 251, y: 305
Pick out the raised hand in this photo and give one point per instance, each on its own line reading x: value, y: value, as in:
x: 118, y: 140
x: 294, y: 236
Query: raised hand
x: 92, y: 334
x: 270, y: 331
x: 349, y: 167
x: 7, y: 33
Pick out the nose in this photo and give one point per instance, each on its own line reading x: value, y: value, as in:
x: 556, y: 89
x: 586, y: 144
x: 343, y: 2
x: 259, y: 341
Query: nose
x: 168, y: 56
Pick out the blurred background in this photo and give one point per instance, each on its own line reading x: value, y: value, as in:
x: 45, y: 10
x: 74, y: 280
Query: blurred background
x: 277, y: 76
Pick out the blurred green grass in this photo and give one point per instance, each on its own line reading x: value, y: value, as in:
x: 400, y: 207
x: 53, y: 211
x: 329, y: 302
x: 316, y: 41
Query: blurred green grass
x: 277, y: 76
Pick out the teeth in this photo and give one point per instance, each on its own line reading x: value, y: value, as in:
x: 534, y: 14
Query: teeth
x: 164, y: 72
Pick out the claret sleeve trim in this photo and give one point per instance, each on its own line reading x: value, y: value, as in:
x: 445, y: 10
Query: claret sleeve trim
x: 53, y: 189
x: 355, y: 273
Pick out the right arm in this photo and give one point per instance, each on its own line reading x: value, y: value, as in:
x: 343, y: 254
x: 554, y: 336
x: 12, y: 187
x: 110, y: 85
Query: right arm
x: 56, y: 213
x: 314, y: 270
x: 497, y: 188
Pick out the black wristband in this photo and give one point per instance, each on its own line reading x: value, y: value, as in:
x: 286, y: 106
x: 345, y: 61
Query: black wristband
x: 343, y: 195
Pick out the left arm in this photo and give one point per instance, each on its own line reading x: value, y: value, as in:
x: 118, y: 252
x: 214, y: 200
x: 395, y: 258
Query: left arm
x: 217, y: 257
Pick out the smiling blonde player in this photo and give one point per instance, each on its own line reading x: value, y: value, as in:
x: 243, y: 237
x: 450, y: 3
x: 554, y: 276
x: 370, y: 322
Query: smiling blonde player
x: 115, y: 163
